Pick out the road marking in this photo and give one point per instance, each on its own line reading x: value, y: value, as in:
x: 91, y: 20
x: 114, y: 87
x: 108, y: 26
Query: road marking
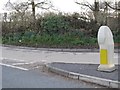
x: 14, y: 67
x: 23, y: 63
x: 12, y: 59
x: 19, y: 63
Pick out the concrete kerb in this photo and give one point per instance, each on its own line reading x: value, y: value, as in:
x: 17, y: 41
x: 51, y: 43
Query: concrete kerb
x: 87, y: 78
x: 56, y: 70
x: 55, y: 49
x: 52, y: 49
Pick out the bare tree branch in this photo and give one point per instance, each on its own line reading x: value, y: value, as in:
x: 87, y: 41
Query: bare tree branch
x: 20, y: 8
x: 40, y: 3
x: 87, y: 5
x: 114, y: 8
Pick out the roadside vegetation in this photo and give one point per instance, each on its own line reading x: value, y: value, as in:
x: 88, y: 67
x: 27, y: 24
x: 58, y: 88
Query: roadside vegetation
x: 61, y: 30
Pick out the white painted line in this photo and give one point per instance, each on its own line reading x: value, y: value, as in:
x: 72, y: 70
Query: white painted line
x: 13, y: 59
x: 14, y: 67
x: 19, y: 63
x: 22, y: 63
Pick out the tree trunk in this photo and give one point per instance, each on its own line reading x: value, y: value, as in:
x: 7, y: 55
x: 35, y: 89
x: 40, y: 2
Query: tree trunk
x: 119, y: 20
x: 96, y: 11
x: 33, y: 9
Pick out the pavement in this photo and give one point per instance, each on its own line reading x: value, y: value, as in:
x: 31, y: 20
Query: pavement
x: 72, y: 63
x: 28, y: 54
x: 86, y: 72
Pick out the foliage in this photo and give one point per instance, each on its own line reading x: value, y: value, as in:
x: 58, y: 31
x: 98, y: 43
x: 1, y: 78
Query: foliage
x: 52, y: 30
x: 67, y: 40
x: 54, y: 24
x: 116, y: 35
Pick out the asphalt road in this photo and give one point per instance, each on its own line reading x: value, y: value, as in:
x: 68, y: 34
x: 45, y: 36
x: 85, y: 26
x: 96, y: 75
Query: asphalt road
x: 16, y: 78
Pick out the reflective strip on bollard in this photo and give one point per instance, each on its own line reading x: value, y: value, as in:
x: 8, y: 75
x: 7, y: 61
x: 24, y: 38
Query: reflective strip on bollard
x: 103, y: 56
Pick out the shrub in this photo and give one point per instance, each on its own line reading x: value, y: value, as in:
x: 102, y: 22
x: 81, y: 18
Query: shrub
x: 54, y: 24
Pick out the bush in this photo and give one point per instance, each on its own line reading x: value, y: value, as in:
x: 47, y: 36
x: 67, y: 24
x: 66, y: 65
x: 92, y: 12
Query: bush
x: 54, y: 24
x: 31, y: 39
x: 116, y: 35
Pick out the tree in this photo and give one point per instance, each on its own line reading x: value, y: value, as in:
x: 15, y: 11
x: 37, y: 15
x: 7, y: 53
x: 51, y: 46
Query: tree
x: 99, y: 9
x: 94, y: 8
x: 40, y: 5
x: 115, y: 7
x: 23, y: 6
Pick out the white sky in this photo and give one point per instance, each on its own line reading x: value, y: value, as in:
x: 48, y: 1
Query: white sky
x: 62, y: 5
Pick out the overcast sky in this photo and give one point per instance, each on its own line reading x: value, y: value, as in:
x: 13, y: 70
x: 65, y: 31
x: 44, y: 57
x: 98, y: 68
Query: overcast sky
x: 62, y: 5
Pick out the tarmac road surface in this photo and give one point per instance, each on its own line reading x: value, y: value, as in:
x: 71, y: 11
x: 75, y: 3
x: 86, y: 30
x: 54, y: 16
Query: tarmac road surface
x: 17, y: 78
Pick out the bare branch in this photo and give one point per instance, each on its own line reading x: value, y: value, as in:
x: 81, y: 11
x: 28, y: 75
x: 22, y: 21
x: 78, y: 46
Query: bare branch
x: 87, y: 5
x: 45, y: 8
x: 20, y: 8
x: 44, y: 3
x: 42, y: 7
x: 114, y: 8
x: 40, y: 3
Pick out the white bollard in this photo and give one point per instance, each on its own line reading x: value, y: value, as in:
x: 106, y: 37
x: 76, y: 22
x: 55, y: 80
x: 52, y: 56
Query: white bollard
x: 106, y: 44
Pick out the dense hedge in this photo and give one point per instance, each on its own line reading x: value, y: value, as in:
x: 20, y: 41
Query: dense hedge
x: 55, y: 30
